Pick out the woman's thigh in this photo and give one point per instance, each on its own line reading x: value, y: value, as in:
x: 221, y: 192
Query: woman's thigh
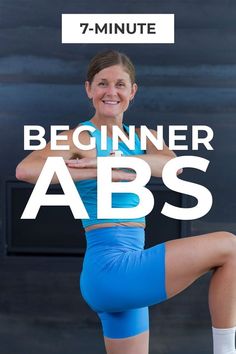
x: 188, y: 258
x: 123, y: 324
x: 126, y: 332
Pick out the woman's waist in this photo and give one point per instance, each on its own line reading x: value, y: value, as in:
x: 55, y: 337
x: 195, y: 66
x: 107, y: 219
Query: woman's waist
x: 115, y: 238
x: 115, y: 224
x: 97, y: 223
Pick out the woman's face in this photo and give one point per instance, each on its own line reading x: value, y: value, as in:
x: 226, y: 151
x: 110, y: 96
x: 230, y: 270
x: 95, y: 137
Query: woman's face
x: 111, y: 91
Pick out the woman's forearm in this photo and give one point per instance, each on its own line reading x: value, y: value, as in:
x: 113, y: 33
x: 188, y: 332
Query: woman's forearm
x: 29, y: 171
x: 156, y: 162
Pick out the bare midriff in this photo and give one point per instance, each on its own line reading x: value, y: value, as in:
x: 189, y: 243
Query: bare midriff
x: 111, y: 224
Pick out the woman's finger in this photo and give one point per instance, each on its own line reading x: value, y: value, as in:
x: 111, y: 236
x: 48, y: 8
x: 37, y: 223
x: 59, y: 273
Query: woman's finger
x: 84, y: 162
x: 73, y: 161
x: 118, y: 175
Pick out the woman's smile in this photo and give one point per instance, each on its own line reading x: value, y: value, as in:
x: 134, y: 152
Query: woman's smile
x: 111, y: 91
x: 109, y: 102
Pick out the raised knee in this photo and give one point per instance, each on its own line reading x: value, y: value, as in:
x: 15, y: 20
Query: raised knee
x: 229, y: 243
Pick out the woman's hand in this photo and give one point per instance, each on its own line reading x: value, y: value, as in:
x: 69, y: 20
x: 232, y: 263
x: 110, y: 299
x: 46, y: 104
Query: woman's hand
x: 85, y: 162
x: 120, y: 175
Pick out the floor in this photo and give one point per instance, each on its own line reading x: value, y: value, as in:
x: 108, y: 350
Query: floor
x: 42, y: 312
x: 32, y: 336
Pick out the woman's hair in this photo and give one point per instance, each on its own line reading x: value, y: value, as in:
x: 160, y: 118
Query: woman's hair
x: 108, y: 58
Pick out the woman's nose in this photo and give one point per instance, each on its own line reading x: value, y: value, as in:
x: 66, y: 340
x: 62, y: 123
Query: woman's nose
x: 111, y: 90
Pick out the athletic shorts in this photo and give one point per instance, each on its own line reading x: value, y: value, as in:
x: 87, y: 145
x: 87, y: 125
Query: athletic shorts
x: 120, y: 279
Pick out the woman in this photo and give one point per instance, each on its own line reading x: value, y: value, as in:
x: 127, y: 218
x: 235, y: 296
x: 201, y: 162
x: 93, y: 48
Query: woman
x: 120, y: 279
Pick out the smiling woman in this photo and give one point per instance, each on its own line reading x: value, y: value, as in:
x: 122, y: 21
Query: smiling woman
x: 111, y: 91
x: 120, y: 279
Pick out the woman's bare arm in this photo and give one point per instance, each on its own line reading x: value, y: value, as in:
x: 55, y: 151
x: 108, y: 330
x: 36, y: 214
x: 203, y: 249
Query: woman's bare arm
x: 30, y: 167
x: 156, y: 158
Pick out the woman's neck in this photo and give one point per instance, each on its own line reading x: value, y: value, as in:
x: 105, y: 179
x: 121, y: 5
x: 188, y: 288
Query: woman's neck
x: 108, y: 121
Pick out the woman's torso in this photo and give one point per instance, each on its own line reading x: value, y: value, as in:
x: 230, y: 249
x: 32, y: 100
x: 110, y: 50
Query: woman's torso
x: 87, y: 189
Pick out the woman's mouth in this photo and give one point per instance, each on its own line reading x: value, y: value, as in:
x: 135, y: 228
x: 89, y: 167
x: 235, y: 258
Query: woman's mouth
x: 110, y: 102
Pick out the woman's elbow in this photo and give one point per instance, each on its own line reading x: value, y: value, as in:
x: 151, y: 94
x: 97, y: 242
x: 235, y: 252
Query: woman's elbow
x: 21, y: 173
x: 179, y: 171
x: 173, y: 157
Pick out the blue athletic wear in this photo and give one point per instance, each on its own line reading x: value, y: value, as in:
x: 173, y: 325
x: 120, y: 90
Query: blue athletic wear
x: 120, y: 279
x: 88, y: 188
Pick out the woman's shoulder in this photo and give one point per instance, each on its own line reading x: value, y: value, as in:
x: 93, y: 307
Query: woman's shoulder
x: 138, y: 130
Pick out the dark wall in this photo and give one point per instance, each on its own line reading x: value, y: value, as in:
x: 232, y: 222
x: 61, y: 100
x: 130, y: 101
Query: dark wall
x: 41, y: 82
x: 190, y: 82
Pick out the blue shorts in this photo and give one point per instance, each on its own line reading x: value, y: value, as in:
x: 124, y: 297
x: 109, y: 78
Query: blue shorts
x: 120, y: 279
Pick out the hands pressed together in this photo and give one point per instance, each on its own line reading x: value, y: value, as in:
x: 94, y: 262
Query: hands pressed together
x: 87, y: 162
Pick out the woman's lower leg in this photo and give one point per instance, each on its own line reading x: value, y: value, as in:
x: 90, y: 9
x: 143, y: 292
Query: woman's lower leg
x: 222, y: 304
x: 187, y: 259
x: 222, y: 295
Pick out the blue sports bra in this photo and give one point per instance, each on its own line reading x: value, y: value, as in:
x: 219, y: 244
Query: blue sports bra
x: 88, y: 188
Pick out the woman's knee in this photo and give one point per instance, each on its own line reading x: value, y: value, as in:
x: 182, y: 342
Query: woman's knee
x: 227, y: 244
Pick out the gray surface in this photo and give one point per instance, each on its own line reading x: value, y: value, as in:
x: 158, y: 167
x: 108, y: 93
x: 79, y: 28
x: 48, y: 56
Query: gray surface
x: 190, y: 82
x: 42, y: 311
x: 41, y: 82
x: 53, y: 337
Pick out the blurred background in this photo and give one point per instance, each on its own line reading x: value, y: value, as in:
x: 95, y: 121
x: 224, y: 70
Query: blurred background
x: 191, y: 82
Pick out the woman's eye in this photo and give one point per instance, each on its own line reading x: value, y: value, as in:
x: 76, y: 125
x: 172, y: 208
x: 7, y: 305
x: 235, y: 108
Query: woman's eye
x: 121, y: 84
x: 101, y: 84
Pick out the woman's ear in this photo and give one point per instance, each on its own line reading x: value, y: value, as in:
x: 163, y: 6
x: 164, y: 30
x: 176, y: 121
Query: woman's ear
x: 88, y: 89
x: 133, y: 91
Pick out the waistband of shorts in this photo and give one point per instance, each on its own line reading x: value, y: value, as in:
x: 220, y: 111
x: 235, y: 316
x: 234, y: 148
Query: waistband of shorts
x: 124, y: 236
